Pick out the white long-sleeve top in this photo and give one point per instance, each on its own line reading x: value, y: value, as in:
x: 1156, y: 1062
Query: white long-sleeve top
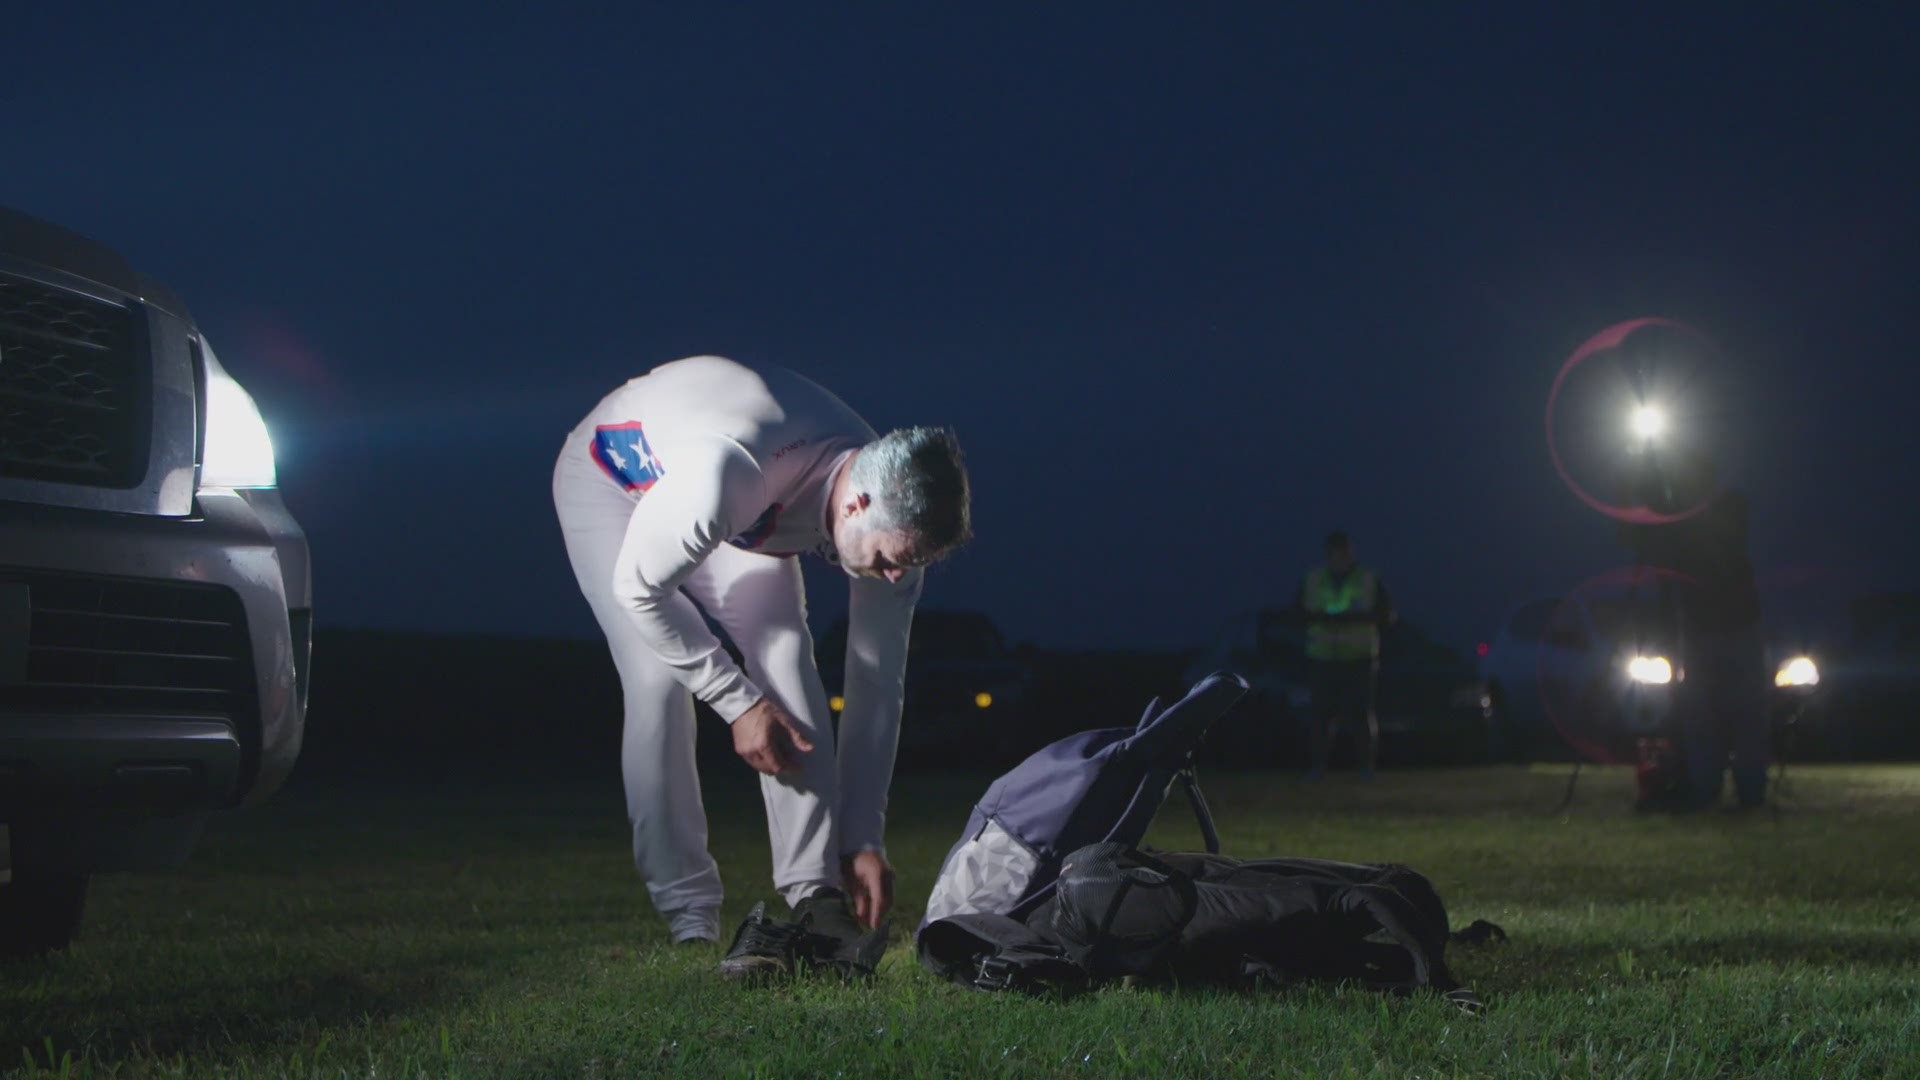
x: 713, y: 451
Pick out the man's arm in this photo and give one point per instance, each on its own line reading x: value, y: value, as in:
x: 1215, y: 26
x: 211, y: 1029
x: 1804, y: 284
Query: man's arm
x: 879, y: 620
x: 709, y: 484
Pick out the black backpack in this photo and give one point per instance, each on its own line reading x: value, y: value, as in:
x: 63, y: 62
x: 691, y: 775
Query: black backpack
x: 1097, y: 785
x: 1048, y: 890
x: 1201, y: 919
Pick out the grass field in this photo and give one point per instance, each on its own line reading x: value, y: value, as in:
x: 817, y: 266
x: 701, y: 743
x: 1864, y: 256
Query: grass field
x: 502, y: 932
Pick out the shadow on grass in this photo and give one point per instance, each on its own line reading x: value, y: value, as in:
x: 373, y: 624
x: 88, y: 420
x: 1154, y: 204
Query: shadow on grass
x: 1515, y: 966
x: 1520, y: 965
x: 132, y: 1017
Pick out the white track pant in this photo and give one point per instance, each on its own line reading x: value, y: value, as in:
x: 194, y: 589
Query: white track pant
x: 760, y: 603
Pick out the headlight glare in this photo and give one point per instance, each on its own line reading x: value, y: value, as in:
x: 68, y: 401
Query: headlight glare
x: 239, y: 452
x: 1650, y: 670
x: 1799, y: 671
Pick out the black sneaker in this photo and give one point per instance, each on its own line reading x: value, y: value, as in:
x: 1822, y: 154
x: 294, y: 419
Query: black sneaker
x: 835, y: 940
x: 763, y: 948
x: 828, y: 914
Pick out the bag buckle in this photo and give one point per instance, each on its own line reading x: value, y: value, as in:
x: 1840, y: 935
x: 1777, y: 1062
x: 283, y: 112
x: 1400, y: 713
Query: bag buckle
x: 996, y: 973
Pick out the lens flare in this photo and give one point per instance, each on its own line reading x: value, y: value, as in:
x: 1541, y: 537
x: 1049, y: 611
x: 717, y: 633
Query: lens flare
x: 1648, y: 422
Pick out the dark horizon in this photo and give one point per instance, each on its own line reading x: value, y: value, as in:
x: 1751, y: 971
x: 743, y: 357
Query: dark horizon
x: 1193, y: 288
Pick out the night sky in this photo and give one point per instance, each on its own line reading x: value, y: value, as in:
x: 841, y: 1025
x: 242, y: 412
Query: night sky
x: 1194, y: 283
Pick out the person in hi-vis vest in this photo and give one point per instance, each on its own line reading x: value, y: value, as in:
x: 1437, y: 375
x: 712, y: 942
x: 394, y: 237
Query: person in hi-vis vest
x: 1344, y: 605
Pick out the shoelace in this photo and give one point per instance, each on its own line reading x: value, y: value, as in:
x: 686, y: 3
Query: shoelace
x: 771, y: 935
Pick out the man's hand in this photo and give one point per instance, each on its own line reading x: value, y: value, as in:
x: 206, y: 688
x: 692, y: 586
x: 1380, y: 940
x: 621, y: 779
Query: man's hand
x: 869, y: 880
x: 768, y: 738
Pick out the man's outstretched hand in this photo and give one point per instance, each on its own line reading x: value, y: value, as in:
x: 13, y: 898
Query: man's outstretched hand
x: 768, y: 738
x: 869, y: 880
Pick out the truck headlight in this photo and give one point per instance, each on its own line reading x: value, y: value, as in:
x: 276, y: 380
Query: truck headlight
x: 1799, y: 671
x: 1650, y: 670
x: 239, y: 452
x: 1471, y: 696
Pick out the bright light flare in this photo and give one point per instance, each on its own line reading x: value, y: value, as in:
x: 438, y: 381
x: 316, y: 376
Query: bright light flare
x: 1799, y: 671
x: 983, y: 700
x: 1648, y: 422
x: 238, y: 451
x: 1651, y: 670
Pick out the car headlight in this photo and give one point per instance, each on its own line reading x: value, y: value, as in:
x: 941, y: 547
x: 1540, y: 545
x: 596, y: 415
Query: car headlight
x: 239, y: 452
x: 1471, y: 696
x: 1799, y: 671
x: 1650, y: 670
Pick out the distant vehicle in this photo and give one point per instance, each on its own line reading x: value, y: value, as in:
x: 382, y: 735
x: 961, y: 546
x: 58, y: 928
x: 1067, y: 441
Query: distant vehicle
x: 155, y: 604
x: 1856, y: 690
x: 1580, y: 674
x: 965, y: 693
x: 1592, y: 673
x: 1429, y: 701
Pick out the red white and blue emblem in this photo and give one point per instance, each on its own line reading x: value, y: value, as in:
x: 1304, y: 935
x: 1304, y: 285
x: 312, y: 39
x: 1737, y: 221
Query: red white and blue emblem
x: 757, y: 533
x: 622, y: 450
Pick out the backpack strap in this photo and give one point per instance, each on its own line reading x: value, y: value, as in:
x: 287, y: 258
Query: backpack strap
x: 1131, y: 827
x: 1190, y: 781
x: 1480, y: 933
x: 993, y: 953
x: 1028, y: 971
x: 1425, y: 945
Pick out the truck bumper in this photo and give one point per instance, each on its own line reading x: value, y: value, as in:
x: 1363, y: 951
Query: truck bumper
x: 76, y: 726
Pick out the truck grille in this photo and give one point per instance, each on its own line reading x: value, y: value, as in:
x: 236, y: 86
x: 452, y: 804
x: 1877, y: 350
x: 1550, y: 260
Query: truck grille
x: 73, y: 388
x: 122, y: 646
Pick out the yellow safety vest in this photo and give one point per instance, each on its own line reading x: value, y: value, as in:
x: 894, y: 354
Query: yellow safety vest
x: 1341, y: 640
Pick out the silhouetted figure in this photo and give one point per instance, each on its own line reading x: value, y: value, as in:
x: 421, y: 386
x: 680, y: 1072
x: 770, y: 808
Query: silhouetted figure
x: 1344, y: 605
x: 1722, y: 698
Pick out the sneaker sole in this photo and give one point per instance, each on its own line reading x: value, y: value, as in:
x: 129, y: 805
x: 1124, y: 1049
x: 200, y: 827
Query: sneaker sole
x: 753, y: 968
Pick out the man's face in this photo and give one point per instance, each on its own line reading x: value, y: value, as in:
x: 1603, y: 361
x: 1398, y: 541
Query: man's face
x: 1340, y: 558
x: 871, y: 553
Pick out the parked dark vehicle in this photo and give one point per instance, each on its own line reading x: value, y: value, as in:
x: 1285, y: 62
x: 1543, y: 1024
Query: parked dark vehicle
x: 1430, y: 702
x: 1856, y: 690
x: 154, y: 593
x: 1587, y: 673
x: 966, y: 691
x: 1591, y: 673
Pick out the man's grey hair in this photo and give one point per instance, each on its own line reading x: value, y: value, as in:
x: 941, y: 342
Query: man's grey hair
x: 917, y: 479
